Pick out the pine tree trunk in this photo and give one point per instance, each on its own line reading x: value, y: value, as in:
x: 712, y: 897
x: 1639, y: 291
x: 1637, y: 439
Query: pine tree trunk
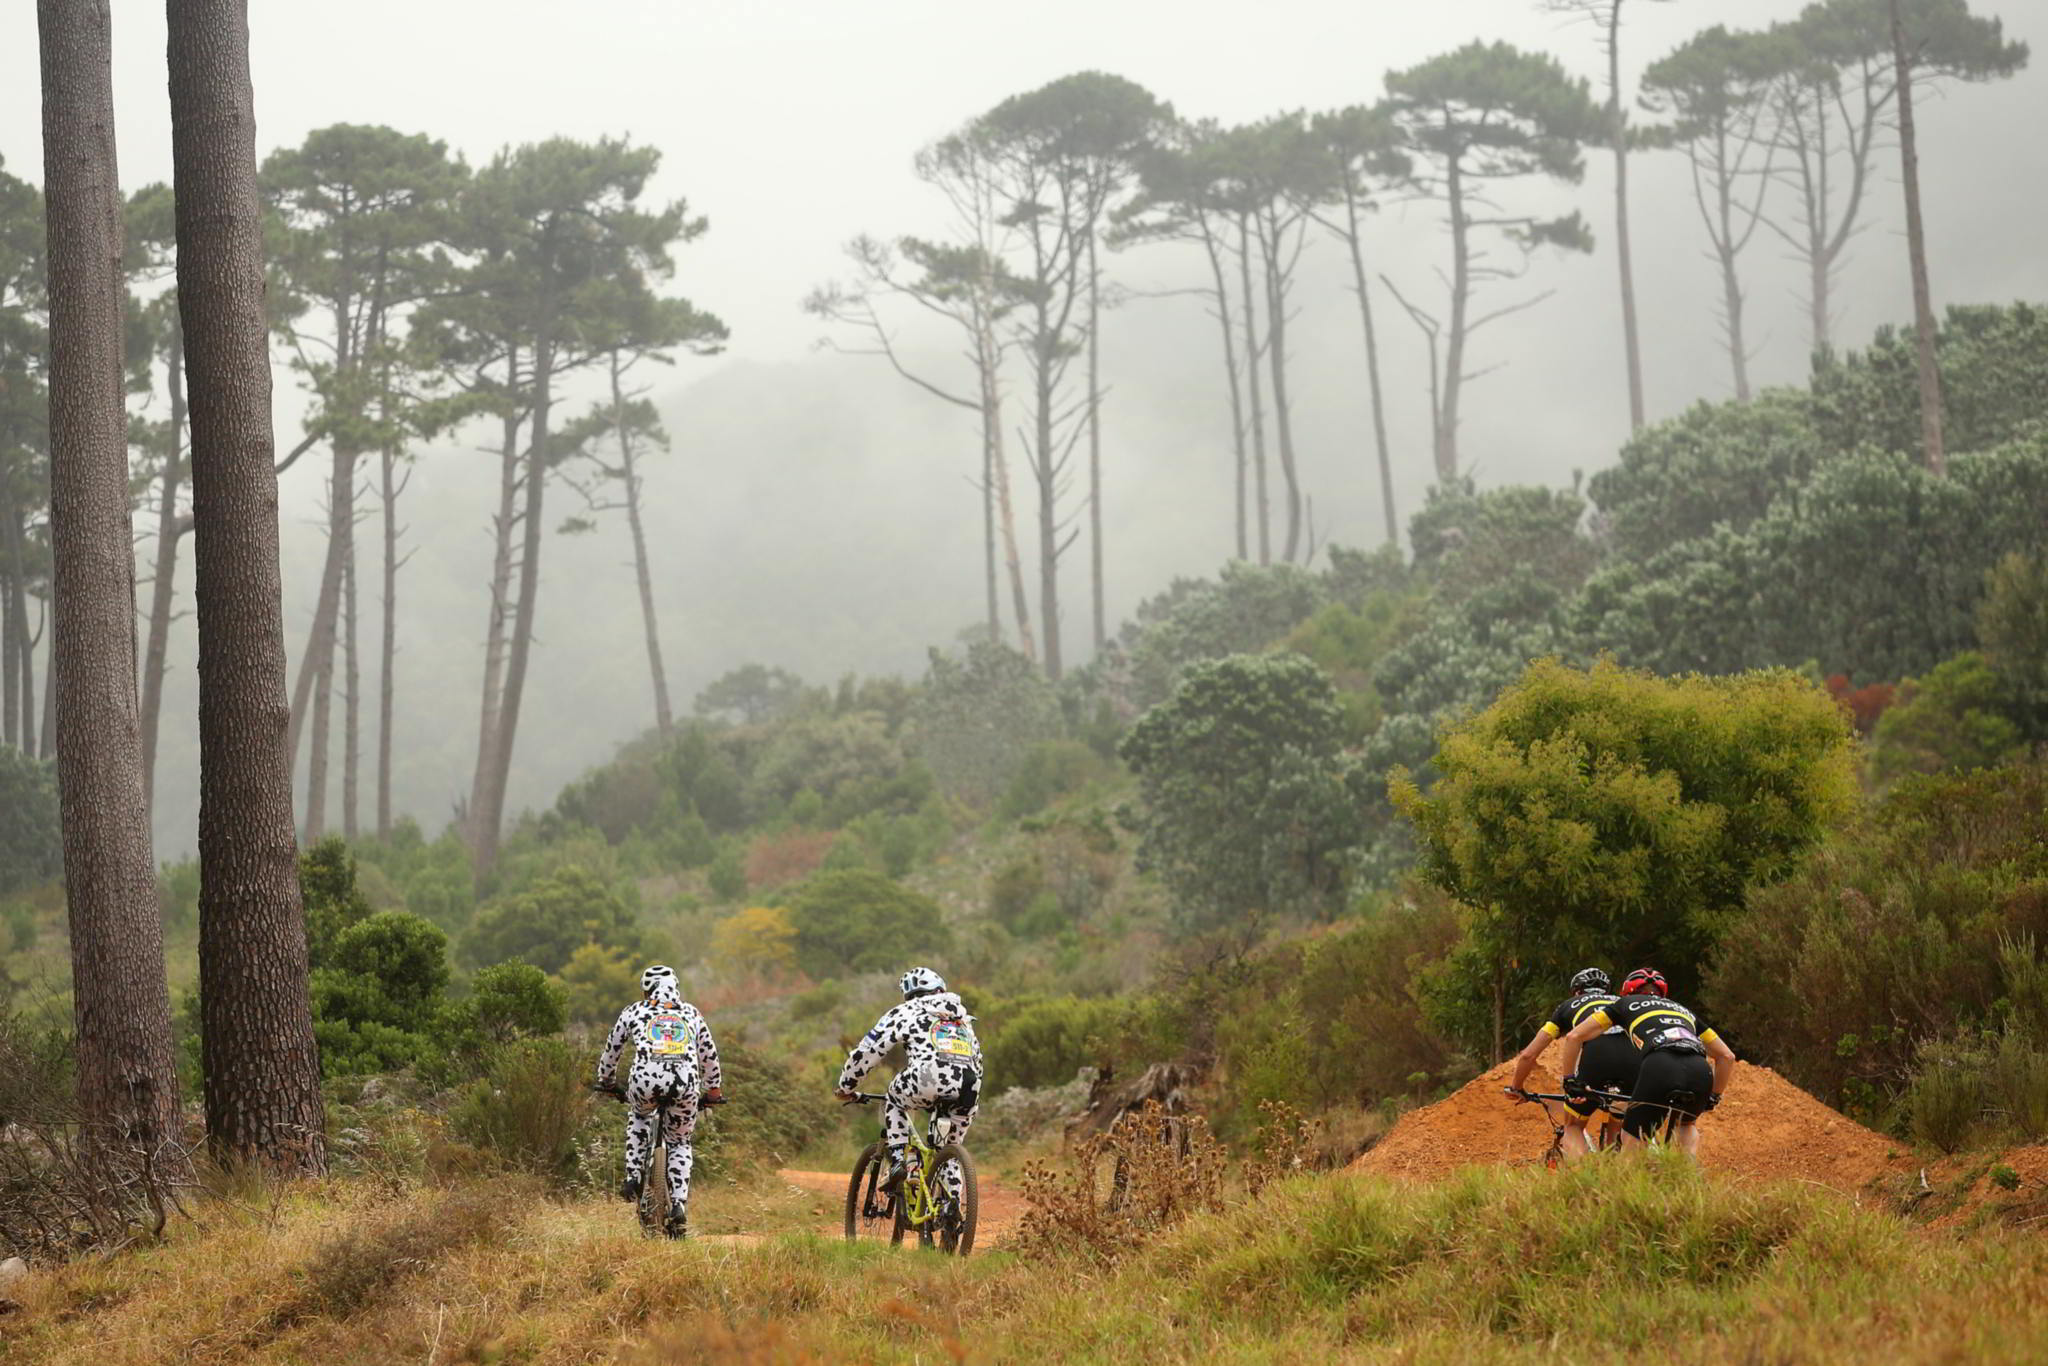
x: 318, y: 660
x: 1454, y: 360
x: 388, y: 650
x: 1048, y: 496
x: 1738, y: 348
x: 1276, y: 355
x: 501, y: 606
x: 351, y: 695
x: 164, y: 582
x: 988, y: 364
x: 1617, y: 117
x: 1251, y: 368
x: 49, y: 729
x: 520, y: 646
x: 261, y: 1062
x: 1215, y: 251
x: 1353, y: 238
x: 1095, y: 444
x: 988, y: 534
x: 10, y: 647
x: 127, y: 1079
x: 664, y: 715
x: 1916, y: 250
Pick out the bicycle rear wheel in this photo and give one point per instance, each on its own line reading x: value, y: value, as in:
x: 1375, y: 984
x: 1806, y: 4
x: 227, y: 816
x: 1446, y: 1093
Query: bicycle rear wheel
x: 957, y: 1223
x: 871, y: 1215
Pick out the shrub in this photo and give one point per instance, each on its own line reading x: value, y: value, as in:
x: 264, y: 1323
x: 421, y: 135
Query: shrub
x: 1959, y: 716
x: 1045, y: 1041
x: 507, y: 1003
x: 357, y: 1264
x: 759, y: 940
x: 728, y: 873
x: 528, y: 1107
x: 776, y: 860
x: 776, y: 1114
x: 375, y: 1000
x: 550, y: 920
x: 596, y: 983
x: 1946, y: 1102
x: 31, y: 840
x: 1049, y: 771
x: 858, y: 921
x: 977, y: 718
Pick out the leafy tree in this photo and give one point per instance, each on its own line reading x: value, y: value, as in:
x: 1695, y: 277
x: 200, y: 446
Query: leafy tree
x: 979, y: 714
x: 828, y: 756
x: 1959, y: 716
x: 1716, y: 89
x: 752, y: 695
x: 327, y: 882
x: 1475, y: 118
x: 1247, y: 804
x: 546, y: 923
x: 376, y: 998
x: 2012, y: 623
x: 1246, y: 609
x: 597, y: 982
x: 1993, y: 360
x: 759, y: 940
x: 1714, y: 464
x: 1617, y: 815
x: 31, y: 844
x: 857, y: 920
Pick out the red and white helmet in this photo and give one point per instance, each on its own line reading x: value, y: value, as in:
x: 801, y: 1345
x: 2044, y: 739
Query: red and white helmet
x: 1644, y: 982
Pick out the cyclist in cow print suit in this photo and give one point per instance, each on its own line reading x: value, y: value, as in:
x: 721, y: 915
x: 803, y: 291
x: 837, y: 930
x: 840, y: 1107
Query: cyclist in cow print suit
x: 674, y: 1056
x: 941, y: 1068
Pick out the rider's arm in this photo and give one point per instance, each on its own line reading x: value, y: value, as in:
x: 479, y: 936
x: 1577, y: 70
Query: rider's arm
x: 1588, y: 1029
x: 707, y: 1055
x: 1525, y: 1061
x: 615, y: 1044
x: 873, y: 1047
x: 1724, y: 1059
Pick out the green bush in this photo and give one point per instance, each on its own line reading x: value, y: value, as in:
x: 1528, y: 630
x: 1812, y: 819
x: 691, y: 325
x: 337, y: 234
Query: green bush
x: 857, y: 920
x: 376, y: 997
x: 507, y: 1003
x: 550, y: 920
x: 31, y: 840
x: 1945, y: 1105
x: 1048, y: 772
x: 1044, y: 1041
x: 776, y: 1112
x: 1960, y: 716
x: 728, y: 872
x: 528, y: 1108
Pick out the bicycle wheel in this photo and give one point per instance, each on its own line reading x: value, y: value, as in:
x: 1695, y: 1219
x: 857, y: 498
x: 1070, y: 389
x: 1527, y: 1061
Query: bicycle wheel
x: 870, y: 1214
x: 956, y: 1225
x: 654, y: 1188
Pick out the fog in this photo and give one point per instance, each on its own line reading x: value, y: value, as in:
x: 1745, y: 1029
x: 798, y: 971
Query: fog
x: 815, y: 511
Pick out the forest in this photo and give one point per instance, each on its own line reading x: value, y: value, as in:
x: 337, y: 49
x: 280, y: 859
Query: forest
x: 1301, y: 844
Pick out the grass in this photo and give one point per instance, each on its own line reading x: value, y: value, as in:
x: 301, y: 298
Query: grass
x: 1489, y: 1267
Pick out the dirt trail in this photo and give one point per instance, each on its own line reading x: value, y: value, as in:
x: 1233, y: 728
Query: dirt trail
x: 1765, y: 1128
x: 1001, y: 1207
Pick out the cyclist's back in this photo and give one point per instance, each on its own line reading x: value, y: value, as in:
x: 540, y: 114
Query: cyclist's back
x: 942, y: 1062
x: 1684, y: 1067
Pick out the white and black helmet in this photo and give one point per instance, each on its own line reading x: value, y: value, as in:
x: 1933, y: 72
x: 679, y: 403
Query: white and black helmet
x: 921, y: 982
x: 655, y: 977
x: 1591, y: 979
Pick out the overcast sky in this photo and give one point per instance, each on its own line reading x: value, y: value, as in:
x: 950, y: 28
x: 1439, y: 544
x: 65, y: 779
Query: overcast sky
x: 792, y: 126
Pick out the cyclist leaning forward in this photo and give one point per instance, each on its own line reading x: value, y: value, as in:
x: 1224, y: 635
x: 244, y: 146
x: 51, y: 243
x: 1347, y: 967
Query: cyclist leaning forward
x: 1608, y: 1063
x: 1685, y: 1064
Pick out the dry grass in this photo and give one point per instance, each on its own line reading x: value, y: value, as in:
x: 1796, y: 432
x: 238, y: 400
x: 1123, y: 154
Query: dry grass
x: 1490, y: 1267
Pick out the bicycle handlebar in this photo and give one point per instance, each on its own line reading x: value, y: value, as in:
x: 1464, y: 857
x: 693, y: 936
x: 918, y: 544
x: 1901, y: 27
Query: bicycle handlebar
x: 1605, y: 1099
x: 860, y: 1098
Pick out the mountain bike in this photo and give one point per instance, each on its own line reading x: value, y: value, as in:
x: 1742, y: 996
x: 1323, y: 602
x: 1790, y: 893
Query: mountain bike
x: 652, y: 1208
x: 923, y: 1203
x: 1611, y: 1103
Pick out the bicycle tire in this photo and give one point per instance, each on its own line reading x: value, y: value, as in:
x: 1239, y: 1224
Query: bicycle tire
x: 957, y: 1238
x: 868, y: 1170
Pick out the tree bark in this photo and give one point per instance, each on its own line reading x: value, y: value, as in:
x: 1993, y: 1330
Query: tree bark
x: 1916, y: 250
x: 1461, y: 290
x: 318, y: 660
x: 988, y: 533
x: 12, y: 668
x: 261, y: 1062
x: 388, y: 649
x: 1617, y: 117
x: 351, y: 695
x: 664, y: 716
x: 127, y: 1079
x: 1251, y: 366
x: 316, y: 762
x: 988, y: 366
x: 49, y: 732
x: 164, y: 581
x: 1047, y: 470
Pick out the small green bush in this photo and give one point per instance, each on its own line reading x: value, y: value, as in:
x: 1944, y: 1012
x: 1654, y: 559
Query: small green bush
x: 528, y: 1108
x: 1045, y: 1041
x: 728, y: 872
x: 859, y: 920
x: 551, y: 919
x: 1945, y: 1104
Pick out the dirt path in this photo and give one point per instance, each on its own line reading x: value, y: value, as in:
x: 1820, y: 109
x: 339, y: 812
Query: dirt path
x: 1001, y: 1207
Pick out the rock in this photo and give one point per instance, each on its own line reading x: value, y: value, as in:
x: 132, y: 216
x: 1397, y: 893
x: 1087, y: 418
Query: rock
x: 12, y: 1271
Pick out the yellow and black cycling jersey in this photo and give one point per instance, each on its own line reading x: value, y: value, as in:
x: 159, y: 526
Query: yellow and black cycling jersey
x: 1656, y: 1022
x: 1572, y: 1013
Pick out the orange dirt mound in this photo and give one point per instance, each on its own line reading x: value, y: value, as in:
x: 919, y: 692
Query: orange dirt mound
x: 1765, y: 1128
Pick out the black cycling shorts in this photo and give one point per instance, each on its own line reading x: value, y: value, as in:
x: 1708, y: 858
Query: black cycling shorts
x: 1608, y: 1063
x: 1664, y: 1074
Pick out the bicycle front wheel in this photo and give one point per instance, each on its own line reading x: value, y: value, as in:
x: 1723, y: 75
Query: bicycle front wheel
x: 871, y: 1214
x: 957, y: 1217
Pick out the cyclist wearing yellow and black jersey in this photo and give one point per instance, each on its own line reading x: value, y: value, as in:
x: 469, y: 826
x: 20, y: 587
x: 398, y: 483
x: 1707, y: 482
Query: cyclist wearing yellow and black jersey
x: 1685, y: 1064
x: 1608, y: 1063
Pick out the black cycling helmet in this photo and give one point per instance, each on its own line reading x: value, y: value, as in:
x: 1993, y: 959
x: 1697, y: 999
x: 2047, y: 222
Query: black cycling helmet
x: 1591, y: 979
